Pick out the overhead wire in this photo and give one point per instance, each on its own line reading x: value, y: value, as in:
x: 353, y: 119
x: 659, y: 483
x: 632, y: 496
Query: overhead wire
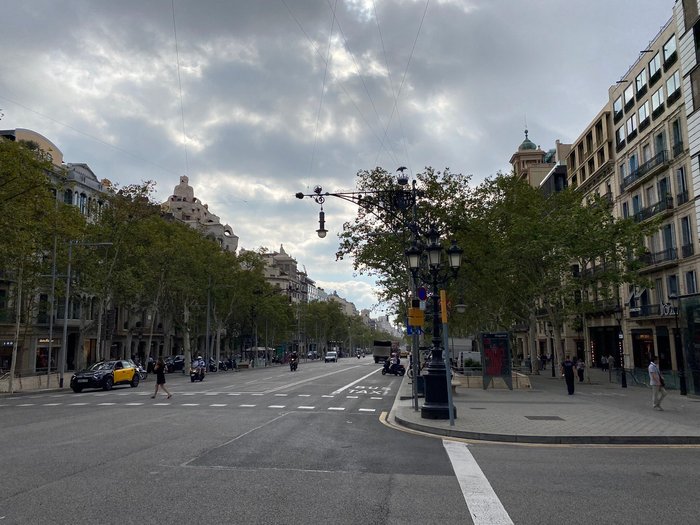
x: 179, y: 83
x: 342, y: 87
x: 405, y: 73
x: 323, y: 88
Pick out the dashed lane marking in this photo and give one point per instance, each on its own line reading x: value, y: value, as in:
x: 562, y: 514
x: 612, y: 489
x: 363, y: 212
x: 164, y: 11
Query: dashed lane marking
x: 52, y: 404
x: 26, y: 405
x: 161, y: 404
x: 105, y: 404
x: 133, y: 404
x: 275, y: 406
x: 336, y: 408
x: 218, y: 405
x: 281, y: 395
x: 367, y: 410
x: 304, y: 395
x: 246, y: 406
x: 376, y: 398
x: 190, y: 404
x: 327, y: 396
x: 78, y: 404
x: 302, y: 407
x: 352, y: 397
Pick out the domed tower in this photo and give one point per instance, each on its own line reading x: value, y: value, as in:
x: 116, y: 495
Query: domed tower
x: 528, y: 156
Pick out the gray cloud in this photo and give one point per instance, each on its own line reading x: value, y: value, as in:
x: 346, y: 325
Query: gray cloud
x: 100, y: 79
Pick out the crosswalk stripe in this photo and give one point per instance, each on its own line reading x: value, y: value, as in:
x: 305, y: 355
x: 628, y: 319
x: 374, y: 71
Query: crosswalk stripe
x: 276, y: 406
x: 336, y: 408
x: 367, y: 410
x: 302, y: 407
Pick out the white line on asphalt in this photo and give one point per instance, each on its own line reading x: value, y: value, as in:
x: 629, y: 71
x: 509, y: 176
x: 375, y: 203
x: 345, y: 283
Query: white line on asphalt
x: 236, y: 394
x: 281, y: 395
x: 217, y: 405
x: 351, y: 397
x: 211, y: 393
x: 52, y: 404
x: 305, y: 407
x: 246, y: 406
x: 188, y: 393
x: 26, y: 405
x: 304, y: 395
x: 276, y: 406
x: 376, y: 398
x: 336, y: 408
x: 367, y: 410
x: 161, y: 404
x: 190, y: 404
x: 289, y: 385
x: 257, y: 394
x: 327, y: 396
x: 133, y: 404
x: 77, y: 404
x: 355, y: 382
x: 105, y: 404
x: 484, y: 506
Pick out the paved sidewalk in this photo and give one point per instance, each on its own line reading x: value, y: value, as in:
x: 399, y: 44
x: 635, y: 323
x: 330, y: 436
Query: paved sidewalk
x: 598, y: 413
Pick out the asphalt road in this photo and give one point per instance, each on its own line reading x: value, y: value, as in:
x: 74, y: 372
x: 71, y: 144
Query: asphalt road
x: 270, y: 446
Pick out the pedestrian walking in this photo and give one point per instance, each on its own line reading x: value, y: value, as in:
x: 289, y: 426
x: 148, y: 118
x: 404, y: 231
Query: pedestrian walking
x: 159, y: 370
x: 656, y: 381
x: 580, y: 366
x: 567, y: 370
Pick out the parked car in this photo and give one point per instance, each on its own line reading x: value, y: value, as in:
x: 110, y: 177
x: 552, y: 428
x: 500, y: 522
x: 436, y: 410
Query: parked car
x: 331, y: 356
x: 175, y: 363
x: 105, y: 375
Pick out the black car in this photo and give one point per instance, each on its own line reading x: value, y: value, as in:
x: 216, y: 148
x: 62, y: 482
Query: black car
x: 106, y: 374
x: 175, y: 363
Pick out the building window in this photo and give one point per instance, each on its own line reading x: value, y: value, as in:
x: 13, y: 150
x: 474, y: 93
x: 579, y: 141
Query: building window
x: 695, y: 87
x: 617, y: 108
x: 655, y: 68
x: 620, y: 135
x: 629, y: 95
x: 681, y: 183
x: 670, y: 48
x: 646, y: 152
x: 673, y: 84
x: 644, y: 113
x: 686, y: 232
x: 631, y: 125
x: 641, y: 81
x: 634, y: 163
x: 659, y: 288
x: 657, y: 99
x: 690, y: 13
x: 672, y: 285
x: 691, y: 284
x: 625, y: 210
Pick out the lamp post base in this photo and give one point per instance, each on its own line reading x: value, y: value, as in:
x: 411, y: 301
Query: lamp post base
x: 436, y: 405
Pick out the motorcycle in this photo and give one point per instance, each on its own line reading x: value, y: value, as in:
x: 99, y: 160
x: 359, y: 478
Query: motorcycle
x: 196, y: 374
x: 397, y: 370
x: 293, y: 364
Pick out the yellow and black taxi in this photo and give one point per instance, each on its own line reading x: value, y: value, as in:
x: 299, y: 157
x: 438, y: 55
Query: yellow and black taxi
x: 105, y: 375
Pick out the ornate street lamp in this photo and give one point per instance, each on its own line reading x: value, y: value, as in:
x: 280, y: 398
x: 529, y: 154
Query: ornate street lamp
x: 618, y: 318
x: 436, y: 404
x: 678, y: 344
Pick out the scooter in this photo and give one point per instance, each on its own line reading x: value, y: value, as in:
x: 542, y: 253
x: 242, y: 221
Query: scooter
x: 196, y: 374
x: 293, y: 364
x: 397, y: 370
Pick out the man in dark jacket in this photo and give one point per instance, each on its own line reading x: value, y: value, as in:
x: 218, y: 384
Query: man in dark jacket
x: 567, y: 370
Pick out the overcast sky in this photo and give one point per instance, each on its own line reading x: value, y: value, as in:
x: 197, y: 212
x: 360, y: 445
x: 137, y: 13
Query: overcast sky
x: 277, y: 96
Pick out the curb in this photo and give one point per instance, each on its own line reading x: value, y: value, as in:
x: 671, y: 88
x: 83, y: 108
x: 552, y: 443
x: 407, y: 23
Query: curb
x: 549, y: 440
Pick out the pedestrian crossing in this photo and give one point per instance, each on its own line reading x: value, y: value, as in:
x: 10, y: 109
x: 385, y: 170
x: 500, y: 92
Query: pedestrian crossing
x: 205, y: 399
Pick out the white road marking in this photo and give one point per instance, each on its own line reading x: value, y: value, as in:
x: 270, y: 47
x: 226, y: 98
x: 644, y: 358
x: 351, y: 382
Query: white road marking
x: 161, y: 404
x: 305, y: 407
x: 376, y: 398
x: 258, y: 394
x: 276, y: 406
x: 281, y: 395
x: 105, y: 404
x: 355, y: 382
x: 52, y: 404
x: 351, y: 397
x: 484, y: 506
x: 246, y: 406
x: 304, y: 395
x: 336, y: 408
x: 133, y: 404
x: 211, y: 394
x: 236, y: 394
x: 190, y: 404
x: 26, y: 405
x: 218, y: 405
x: 327, y: 396
x: 77, y: 404
x: 367, y: 410
x: 188, y: 393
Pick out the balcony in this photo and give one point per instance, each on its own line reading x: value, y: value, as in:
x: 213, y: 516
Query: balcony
x: 646, y: 310
x: 655, y: 209
x: 687, y: 250
x: 650, y: 167
x: 649, y: 259
x: 682, y: 197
